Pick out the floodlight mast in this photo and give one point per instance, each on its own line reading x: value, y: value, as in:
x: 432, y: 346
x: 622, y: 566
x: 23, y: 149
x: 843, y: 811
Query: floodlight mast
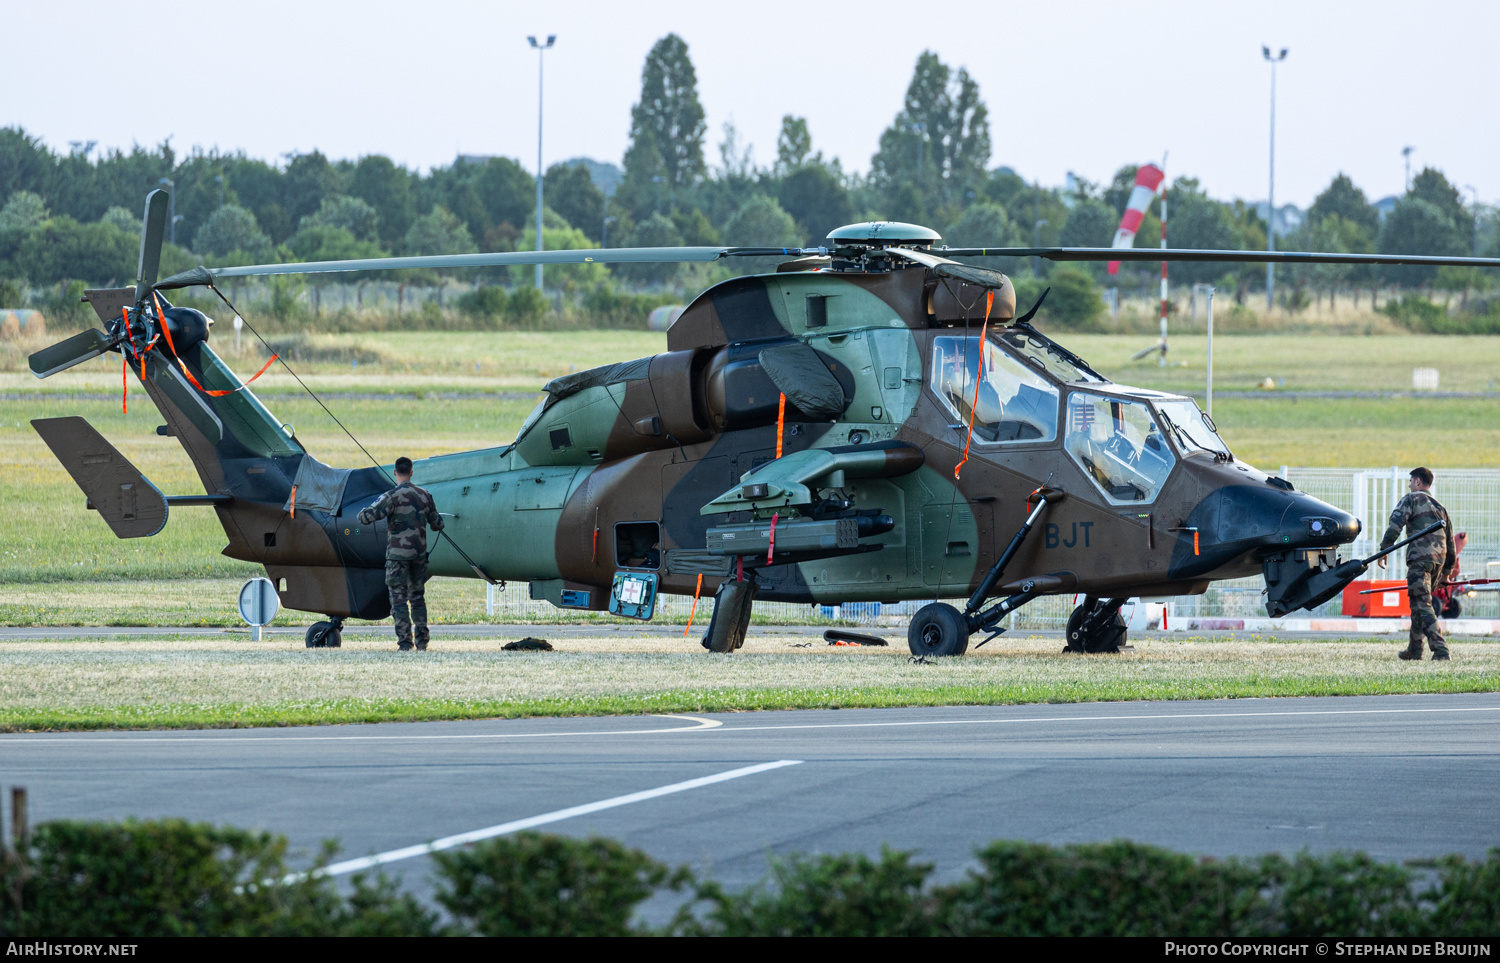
x: 1271, y: 199
x: 540, y: 49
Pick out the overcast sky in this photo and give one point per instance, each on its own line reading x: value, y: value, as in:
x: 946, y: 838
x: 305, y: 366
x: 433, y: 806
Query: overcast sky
x: 1080, y: 86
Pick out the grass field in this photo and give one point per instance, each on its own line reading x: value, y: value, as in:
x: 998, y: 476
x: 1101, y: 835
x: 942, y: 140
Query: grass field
x: 48, y: 536
x: 232, y: 682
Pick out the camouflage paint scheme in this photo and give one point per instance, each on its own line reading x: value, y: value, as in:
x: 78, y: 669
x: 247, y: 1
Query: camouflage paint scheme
x: 658, y: 440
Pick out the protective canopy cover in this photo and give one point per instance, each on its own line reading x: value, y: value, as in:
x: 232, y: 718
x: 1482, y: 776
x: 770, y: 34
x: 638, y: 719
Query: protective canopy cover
x: 319, y: 486
x: 568, y: 385
x: 981, y: 277
x: 797, y: 372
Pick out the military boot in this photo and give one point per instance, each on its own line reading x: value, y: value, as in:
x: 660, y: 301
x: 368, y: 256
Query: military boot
x: 1412, y: 653
x: 1440, y: 653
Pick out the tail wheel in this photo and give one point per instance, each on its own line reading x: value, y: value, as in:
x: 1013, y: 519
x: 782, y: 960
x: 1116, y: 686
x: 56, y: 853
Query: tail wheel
x: 325, y: 635
x: 938, y: 629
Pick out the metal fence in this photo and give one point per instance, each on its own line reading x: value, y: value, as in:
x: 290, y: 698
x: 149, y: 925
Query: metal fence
x: 1471, y: 495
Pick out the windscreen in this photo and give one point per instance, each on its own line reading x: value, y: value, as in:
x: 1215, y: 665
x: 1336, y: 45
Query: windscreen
x: 1118, y: 444
x: 1192, y: 429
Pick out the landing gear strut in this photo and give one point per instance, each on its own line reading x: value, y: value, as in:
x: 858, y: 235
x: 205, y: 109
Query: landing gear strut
x: 326, y: 635
x: 941, y: 629
x: 1096, y: 626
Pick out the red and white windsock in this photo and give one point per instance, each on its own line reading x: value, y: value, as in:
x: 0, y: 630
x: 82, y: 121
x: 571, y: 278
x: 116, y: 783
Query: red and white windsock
x: 1147, y: 180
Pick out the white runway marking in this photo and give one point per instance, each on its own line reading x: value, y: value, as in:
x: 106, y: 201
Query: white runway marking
x: 449, y: 842
x: 215, y: 738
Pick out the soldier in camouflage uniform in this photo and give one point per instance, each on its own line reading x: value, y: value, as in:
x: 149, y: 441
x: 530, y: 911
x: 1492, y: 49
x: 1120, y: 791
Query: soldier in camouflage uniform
x: 1429, y: 560
x: 410, y: 510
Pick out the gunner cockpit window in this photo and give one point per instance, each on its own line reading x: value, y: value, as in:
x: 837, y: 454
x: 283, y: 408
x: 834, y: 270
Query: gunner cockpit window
x: 1008, y: 401
x: 1118, y: 445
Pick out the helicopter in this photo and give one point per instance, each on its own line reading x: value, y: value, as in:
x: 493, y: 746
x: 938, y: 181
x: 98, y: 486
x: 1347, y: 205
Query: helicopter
x: 872, y: 421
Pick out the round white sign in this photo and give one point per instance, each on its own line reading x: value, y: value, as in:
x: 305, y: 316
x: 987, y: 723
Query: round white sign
x: 258, y: 601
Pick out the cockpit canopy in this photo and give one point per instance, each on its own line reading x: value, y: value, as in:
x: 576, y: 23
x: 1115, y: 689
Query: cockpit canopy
x: 1010, y: 388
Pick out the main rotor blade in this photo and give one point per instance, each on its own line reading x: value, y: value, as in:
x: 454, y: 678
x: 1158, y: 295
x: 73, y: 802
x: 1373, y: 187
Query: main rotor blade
x: 1177, y: 254
x: 153, y: 229
x: 613, y: 255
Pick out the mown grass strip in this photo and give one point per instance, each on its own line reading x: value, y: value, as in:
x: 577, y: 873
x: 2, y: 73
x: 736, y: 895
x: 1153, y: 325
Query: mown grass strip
x: 355, y: 711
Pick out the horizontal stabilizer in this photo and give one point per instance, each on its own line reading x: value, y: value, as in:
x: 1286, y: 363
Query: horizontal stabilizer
x: 82, y: 347
x: 116, y: 489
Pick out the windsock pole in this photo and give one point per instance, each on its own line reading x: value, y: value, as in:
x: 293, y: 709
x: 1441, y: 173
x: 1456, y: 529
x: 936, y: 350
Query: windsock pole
x: 1162, y: 361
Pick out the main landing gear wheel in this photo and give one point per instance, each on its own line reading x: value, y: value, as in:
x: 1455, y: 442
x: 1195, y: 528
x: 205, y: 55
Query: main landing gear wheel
x: 326, y: 635
x: 938, y: 629
x: 1096, y: 626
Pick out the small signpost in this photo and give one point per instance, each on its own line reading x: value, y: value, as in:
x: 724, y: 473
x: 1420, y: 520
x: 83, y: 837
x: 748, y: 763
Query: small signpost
x: 258, y: 604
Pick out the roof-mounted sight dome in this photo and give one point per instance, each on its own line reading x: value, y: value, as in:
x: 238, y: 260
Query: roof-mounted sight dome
x: 885, y: 234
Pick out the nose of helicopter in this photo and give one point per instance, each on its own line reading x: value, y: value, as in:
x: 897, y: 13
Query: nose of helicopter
x: 1310, y: 522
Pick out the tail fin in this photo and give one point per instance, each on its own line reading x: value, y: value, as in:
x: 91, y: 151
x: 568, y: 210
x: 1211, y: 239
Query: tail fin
x: 116, y: 489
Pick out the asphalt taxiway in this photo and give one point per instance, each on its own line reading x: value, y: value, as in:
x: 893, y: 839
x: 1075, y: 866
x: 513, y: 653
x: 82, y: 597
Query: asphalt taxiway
x: 1396, y: 776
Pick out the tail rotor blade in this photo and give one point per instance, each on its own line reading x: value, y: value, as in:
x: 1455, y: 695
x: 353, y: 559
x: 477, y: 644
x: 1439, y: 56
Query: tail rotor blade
x: 154, y: 229
x: 65, y: 354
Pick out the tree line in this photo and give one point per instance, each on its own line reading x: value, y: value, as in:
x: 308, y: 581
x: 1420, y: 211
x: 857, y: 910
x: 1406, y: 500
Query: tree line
x: 76, y: 216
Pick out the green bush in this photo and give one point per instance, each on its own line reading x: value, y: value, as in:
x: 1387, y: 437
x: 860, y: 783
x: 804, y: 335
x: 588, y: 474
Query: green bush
x: 1104, y: 889
x: 1466, y: 901
x: 174, y: 878
x: 536, y: 885
x: 488, y: 303
x: 527, y: 305
x: 1418, y: 314
x: 840, y: 895
x: 1339, y: 894
x: 1073, y: 301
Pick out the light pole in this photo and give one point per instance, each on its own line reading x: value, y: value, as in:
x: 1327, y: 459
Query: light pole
x: 1271, y: 200
x: 1036, y: 241
x: 1406, y: 158
x: 540, y: 49
x: 604, y: 233
x: 171, y: 208
x: 1474, y: 194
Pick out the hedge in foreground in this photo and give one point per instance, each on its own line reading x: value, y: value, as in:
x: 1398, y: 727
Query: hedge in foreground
x: 167, y: 878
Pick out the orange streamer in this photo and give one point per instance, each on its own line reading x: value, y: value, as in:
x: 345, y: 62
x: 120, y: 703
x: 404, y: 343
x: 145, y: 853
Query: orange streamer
x: 124, y: 384
x: 780, y: 422
x: 294, y: 501
x: 1195, y: 543
x: 694, y: 610
x: 989, y: 304
x: 213, y: 392
x: 771, y: 548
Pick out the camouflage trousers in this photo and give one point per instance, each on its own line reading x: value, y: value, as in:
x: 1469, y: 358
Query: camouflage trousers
x: 1421, y: 578
x: 407, y: 582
